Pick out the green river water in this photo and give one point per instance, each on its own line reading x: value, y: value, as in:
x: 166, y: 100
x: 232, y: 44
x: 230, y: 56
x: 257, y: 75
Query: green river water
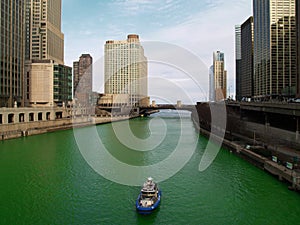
x: 45, y: 179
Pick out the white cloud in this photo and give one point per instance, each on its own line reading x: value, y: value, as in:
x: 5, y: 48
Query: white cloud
x: 86, y: 32
x: 209, y: 31
x: 200, y: 32
x: 132, y: 7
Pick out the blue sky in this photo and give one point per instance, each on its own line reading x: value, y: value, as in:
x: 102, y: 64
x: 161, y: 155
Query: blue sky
x: 197, y: 26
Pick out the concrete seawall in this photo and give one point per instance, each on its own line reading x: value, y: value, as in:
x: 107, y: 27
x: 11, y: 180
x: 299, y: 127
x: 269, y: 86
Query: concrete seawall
x: 281, y: 172
x: 9, y: 131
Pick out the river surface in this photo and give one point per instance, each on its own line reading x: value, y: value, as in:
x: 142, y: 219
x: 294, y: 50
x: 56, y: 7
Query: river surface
x: 48, y: 179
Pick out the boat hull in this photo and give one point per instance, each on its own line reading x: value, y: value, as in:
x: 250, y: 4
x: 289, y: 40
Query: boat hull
x: 150, y: 209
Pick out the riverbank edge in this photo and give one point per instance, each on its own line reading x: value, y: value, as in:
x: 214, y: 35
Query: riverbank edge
x: 42, y: 127
x: 282, y: 173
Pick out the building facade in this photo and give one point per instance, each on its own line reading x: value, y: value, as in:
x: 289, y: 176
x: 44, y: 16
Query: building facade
x: 220, y: 76
x: 83, y: 79
x: 238, y: 58
x: 247, y: 42
x: 62, y: 84
x: 125, y: 70
x: 43, y: 28
x: 44, y: 66
x: 274, y: 48
x: 298, y: 46
x: 50, y: 83
x: 12, y: 52
x: 75, y: 76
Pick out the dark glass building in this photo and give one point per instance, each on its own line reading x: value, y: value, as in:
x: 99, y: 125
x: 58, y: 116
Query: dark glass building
x: 238, y: 59
x: 274, y: 48
x: 246, y: 72
x: 298, y: 46
x: 12, y: 52
x: 62, y: 84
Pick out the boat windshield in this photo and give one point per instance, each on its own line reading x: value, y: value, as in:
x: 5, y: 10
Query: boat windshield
x: 148, y: 194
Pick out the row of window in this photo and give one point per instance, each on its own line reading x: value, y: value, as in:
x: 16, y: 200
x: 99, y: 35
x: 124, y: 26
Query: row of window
x: 12, y: 118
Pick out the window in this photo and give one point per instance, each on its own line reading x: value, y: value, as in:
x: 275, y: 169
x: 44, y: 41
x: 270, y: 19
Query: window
x: 31, y: 116
x: 40, y: 116
x: 11, y: 118
x: 21, y: 117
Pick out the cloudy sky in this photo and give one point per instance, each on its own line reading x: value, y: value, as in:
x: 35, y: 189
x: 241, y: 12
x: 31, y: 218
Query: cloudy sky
x: 195, y: 28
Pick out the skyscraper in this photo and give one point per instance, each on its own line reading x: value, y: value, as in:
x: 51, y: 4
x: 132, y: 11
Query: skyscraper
x: 246, y: 74
x: 238, y: 58
x: 44, y: 66
x: 76, y: 78
x: 83, y: 78
x: 220, y: 76
x: 212, y: 94
x: 126, y: 71
x: 298, y: 46
x: 43, y: 27
x: 12, y: 52
x: 274, y: 47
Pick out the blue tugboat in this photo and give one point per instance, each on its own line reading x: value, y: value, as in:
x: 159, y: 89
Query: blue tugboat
x: 149, y: 197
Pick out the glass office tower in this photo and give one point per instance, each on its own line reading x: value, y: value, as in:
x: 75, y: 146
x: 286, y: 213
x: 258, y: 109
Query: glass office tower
x: 274, y: 48
x: 12, y: 52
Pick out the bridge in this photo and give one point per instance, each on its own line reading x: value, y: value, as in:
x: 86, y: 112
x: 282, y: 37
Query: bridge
x: 142, y: 110
x: 153, y: 109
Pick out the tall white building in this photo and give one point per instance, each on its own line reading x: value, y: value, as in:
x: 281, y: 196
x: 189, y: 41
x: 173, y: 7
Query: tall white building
x: 220, y: 76
x: 126, y: 72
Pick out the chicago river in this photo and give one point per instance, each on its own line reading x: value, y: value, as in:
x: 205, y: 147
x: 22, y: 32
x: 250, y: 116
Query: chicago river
x: 46, y: 180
